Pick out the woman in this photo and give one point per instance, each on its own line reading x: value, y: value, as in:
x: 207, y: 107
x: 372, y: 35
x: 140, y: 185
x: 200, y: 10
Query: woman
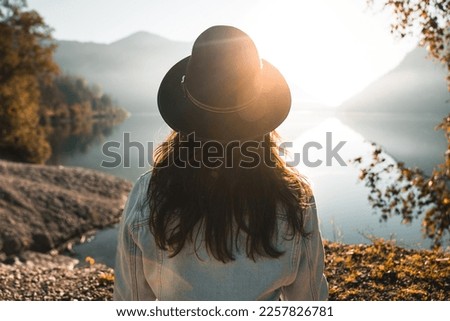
x: 221, y: 216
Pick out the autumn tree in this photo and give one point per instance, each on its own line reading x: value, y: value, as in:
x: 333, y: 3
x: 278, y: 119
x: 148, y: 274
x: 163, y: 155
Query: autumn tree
x: 428, y: 21
x: 26, y: 59
x: 396, y: 189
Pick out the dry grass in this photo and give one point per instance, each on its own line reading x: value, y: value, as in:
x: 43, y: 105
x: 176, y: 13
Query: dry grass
x: 379, y: 271
x: 383, y: 271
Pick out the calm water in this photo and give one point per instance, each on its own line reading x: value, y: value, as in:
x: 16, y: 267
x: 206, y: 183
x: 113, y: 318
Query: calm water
x: 342, y: 200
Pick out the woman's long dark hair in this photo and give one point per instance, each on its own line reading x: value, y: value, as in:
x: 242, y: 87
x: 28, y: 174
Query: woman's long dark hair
x: 193, y: 191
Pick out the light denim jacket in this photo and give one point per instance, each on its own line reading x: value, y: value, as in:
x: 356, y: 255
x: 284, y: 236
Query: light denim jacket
x: 145, y: 272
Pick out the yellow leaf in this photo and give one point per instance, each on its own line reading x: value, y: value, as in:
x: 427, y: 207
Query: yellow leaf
x: 90, y: 260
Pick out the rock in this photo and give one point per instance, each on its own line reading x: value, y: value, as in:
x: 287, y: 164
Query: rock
x: 42, y: 207
x: 47, y: 277
x: 42, y: 242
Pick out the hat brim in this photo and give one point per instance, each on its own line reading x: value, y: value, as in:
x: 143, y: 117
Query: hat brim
x: 265, y: 114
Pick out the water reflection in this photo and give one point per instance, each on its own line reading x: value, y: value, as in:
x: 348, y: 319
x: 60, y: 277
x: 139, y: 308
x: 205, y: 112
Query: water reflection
x: 70, y: 138
x: 346, y: 215
x: 345, y: 212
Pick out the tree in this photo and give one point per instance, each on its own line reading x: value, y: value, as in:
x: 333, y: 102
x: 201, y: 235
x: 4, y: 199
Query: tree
x: 426, y: 20
x: 395, y: 188
x: 26, y: 59
x: 70, y: 99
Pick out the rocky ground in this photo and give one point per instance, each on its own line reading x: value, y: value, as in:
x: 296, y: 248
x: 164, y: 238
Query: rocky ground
x: 50, y: 278
x: 42, y: 207
x: 380, y: 271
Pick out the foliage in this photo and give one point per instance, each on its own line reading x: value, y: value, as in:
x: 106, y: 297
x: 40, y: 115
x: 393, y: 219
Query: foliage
x: 26, y: 51
x: 34, y: 101
x: 70, y: 98
x: 76, y: 115
x: 426, y: 20
x: 89, y: 260
x: 383, y: 271
x: 106, y: 277
x: 398, y: 190
x: 394, y: 188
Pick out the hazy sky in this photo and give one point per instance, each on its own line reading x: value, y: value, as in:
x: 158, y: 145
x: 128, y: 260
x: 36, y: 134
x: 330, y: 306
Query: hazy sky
x: 328, y: 49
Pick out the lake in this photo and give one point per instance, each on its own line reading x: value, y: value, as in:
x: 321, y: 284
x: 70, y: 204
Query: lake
x: 344, y: 211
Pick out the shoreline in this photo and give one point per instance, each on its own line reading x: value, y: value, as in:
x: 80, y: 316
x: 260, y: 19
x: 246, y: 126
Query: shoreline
x: 44, y: 208
x: 380, y: 271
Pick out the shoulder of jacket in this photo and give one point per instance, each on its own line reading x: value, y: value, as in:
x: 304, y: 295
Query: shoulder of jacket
x: 136, y: 209
x: 141, y: 185
x: 145, y: 178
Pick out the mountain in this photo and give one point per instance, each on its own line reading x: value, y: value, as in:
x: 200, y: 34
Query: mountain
x: 130, y: 69
x: 400, y: 110
x: 416, y: 85
x: 406, y: 103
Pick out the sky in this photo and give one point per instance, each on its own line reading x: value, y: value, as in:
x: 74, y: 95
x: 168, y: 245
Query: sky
x: 328, y: 50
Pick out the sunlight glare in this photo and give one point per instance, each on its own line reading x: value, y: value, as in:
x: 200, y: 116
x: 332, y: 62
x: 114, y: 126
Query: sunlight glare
x: 319, y: 49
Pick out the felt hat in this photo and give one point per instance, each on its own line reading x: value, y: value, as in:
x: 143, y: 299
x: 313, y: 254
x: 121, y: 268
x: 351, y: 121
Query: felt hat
x: 223, y: 90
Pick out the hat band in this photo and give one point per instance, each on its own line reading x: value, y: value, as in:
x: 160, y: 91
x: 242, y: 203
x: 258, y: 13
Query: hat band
x: 215, y: 109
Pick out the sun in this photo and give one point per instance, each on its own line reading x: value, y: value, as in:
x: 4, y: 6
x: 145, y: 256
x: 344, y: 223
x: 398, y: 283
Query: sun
x: 310, y: 55
x: 326, y: 53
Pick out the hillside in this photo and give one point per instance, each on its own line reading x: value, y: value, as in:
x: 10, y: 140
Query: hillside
x: 416, y: 85
x: 401, y: 109
x: 129, y: 69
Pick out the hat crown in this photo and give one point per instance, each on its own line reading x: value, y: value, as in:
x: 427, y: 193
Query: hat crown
x: 223, y: 90
x: 224, y: 70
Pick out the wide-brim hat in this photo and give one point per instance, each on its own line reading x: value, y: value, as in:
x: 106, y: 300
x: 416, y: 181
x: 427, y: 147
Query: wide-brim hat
x: 224, y: 91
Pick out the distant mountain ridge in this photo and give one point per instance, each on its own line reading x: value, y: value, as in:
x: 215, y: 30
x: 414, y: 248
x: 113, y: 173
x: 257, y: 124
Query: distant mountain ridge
x: 129, y: 69
x: 416, y: 85
x: 132, y: 68
x: 141, y: 38
x: 406, y: 104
